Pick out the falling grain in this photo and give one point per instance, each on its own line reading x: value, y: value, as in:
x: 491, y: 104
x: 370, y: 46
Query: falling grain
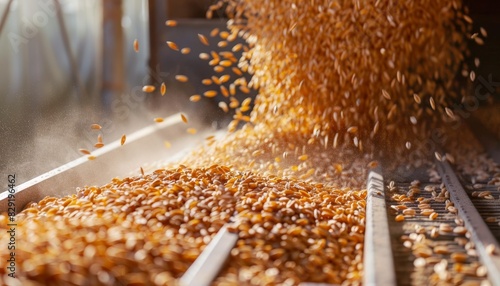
x: 386, y: 94
x: 214, y: 32
x: 194, y: 98
x: 184, y: 118
x: 173, y: 46
x: 432, y: 103
x: 148, y: 88
x: 219, y: 69
x: 303, y: 158
x: 171, y: 23
x: 417, y: 98
x: 223, y: 106
x: 96, y: 127
x: 224, y: 91
x: 210, y: 93
x: 483, y: 32
x: 136, y: 45
x: 479, y: 41
x: 181, y: 78
x: 237, y: 71
x: 224, y: 78
x: 204, y: 56
x: 84, y: 151
x: 163, y: 89
x: 203, y: 39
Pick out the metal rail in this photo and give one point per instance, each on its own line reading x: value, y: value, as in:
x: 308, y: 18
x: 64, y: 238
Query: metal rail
x: 481, y: 234
x: 378, y: 257
x: 207, y: 266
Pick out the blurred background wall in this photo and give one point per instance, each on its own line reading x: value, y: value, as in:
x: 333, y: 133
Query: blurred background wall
x: 42, y: 105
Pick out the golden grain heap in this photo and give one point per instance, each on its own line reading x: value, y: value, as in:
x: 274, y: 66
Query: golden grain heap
x: 336, y: 81
x: 148, y: 229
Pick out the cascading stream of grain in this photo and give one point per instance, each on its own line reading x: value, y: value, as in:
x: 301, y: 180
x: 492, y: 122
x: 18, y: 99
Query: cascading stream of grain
x: 338, y: 77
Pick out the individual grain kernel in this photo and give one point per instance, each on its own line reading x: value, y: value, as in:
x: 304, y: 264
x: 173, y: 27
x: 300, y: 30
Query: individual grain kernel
x: 481, y: 271
x: 237, y: 71
x: 123, y: 139
x: 95, y: 127
x: 184, y: 118
x: 136, y: 45
x: 409, y: 212
x: 181, y: 78
x: 171, y: 23
x: 459, y: 257
x: 441, y: 249
x: 163, y: 89
x: 386, y: 94
x: 419, y: 262
x: 372, y: 164
x: 203, y: 39
x: 223, y: 106
x: 460, y: 230
x: 427, y: 212
x: 226, y: 63
x: 224, y: 78
x: 444, y: 227
x: 214, y: 32
x: 224, y: 91
x: 490, y: 219
x: 400, y: 218
x: 204, y: 56
x: 84, y: 151
x: 194, y: 98
x: 433, y: 216
x: 172, y: 45
x: 303, y: 158
x: 219, y: 69
x: 244, y: 89
x: 424, y: 252
x: 148, y: 88
x: 210, y: 93
x: 434, y: 232
x: 491, y: 249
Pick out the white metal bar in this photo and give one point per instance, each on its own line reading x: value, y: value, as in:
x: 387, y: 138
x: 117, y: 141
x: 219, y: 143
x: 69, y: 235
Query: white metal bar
x: 481, y: 234
x: 378, y: 258
x: 208, y: 265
